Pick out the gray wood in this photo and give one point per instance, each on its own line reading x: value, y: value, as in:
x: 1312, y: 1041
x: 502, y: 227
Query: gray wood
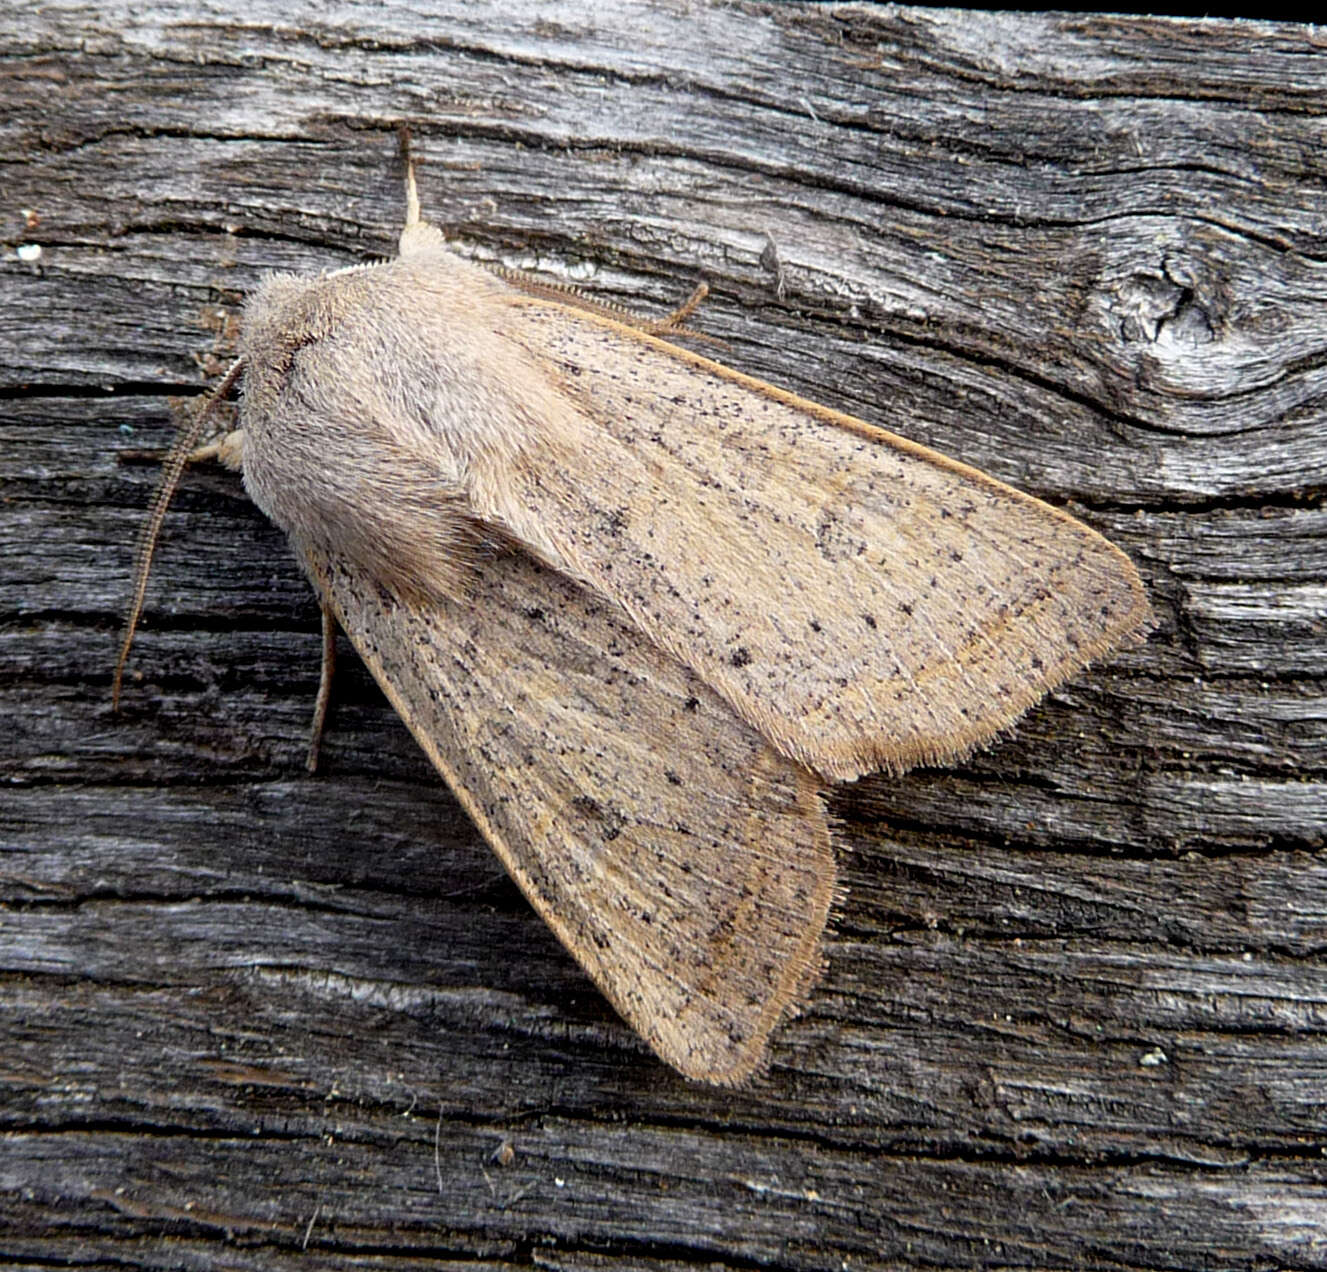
x: 1075, y: 1013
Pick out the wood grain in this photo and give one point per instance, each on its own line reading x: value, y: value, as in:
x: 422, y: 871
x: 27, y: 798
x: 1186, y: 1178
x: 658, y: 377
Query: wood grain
x: 1075, y: 1012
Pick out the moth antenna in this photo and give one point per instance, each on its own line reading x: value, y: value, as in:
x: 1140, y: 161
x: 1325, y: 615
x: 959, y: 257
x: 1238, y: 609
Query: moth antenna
x: 672, y: 324
x: 172, y: 468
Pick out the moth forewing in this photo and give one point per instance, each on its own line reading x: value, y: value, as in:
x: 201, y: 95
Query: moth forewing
x: 863, y: 601
x: 683, y: 862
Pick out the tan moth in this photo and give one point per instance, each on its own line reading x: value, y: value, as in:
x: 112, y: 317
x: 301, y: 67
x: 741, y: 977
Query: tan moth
x: 638, y: 607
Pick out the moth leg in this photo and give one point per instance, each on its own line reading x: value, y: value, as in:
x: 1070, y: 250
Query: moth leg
x: 324, y: 688
x: 673, y: 321
x: 412, y: 216
x: 227, y: 450
x: 419, y: 236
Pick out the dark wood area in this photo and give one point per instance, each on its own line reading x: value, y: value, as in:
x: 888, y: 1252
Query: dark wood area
x: 1075, y: 1013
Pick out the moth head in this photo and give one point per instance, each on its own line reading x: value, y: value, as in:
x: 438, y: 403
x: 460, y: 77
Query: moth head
x: 286, y: 313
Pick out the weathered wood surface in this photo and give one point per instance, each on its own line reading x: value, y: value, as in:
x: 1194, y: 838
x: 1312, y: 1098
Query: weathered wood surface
x: 1076, y: 1007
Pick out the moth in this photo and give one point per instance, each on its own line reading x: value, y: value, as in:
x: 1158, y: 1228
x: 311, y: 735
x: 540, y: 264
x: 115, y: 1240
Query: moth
x: 639, y: 608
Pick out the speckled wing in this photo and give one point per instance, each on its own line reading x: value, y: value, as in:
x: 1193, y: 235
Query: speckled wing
x: 683, y: 862
x: 864, y: 602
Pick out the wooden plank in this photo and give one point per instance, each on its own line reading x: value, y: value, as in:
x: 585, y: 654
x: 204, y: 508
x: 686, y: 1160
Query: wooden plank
x: 1075, y: 1010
